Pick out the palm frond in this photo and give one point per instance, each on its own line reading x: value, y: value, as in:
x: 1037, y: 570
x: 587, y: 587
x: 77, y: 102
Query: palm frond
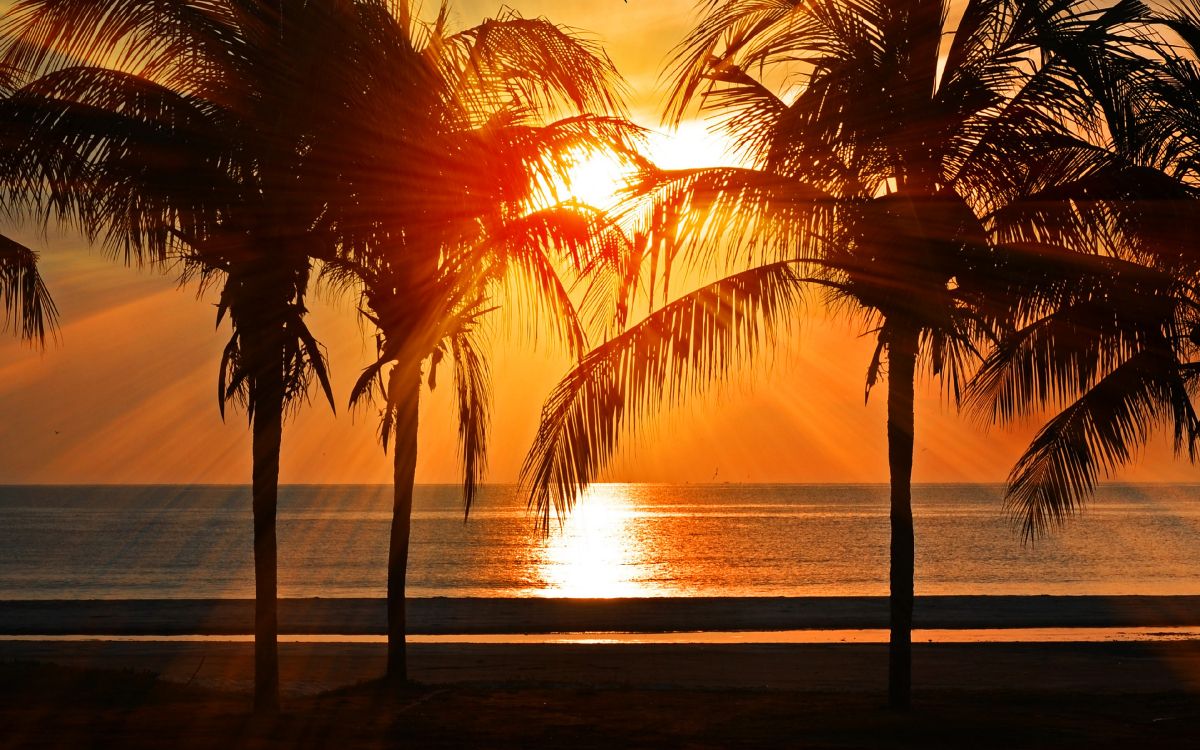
x: 26, y: 302
x: 1100, y: 312
x: 538, y: 288
x: 472, y: 388
x: 749, y: 34
x: 691, y: 342
x: 544, y: 65
x: 723, y: 219
x: 1095, y: 435
x: 126, y: 160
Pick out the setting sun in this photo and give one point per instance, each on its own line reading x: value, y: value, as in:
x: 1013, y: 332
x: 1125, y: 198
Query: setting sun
x: 598, y: 180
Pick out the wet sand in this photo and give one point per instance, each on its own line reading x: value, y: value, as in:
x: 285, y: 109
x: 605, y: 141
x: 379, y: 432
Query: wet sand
x: 532, y: 615
x: 196, y: 694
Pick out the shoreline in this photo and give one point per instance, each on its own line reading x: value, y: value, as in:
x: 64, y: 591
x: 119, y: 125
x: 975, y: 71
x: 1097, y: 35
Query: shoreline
x: 476, y: 616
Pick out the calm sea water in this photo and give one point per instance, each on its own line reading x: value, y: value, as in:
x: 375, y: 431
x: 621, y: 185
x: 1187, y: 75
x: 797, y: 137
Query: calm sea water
x: 623, y: 540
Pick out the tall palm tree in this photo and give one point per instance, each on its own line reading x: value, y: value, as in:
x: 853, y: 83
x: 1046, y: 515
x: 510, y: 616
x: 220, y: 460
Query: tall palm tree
x: 189, y: 135
x: 1116, y: 347
x: 447, y: 163
x: 891, y: 146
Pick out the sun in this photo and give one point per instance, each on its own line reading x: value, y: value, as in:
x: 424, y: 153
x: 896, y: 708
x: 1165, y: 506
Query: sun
x: 600, y: 179
x: 693, y: 144
x: 597, y: 180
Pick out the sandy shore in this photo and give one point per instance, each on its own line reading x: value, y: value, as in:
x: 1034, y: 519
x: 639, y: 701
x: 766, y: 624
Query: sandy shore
x: 309, y: 668
x: 478, y: 615
x: 184, y: 695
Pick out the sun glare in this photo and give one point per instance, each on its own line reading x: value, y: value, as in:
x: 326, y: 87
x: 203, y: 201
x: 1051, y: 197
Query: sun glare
x: 693, y: 144
x: 597, y: 180
x: 594, y: 554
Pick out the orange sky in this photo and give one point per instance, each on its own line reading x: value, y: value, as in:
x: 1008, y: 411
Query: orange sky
x: 129, y: 395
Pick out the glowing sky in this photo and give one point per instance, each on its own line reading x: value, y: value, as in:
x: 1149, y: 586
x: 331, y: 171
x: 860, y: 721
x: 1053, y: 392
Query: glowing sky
x: 129, y: 395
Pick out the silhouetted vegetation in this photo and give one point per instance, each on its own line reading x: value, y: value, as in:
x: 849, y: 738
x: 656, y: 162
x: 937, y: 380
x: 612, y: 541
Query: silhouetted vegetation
x: 27, y: 307
x: 999, y: 193
x: 1112, y: 338
x: 930, y: 175
x: 450, y: 174
x: 190, y: 136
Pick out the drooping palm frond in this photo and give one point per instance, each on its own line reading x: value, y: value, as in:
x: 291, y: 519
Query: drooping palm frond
x: 289, y: 345
x: 747, y: 32
x: 27, y: 306
x: 1069, y: 101
x: 140, y: 36
x: 472, y: 389
x: 678, y: 349
x: 1112, y: 350
x: 128, y: 161
x: 1082, y: 316
x: 1106, y: 204
x: 1098, y: 433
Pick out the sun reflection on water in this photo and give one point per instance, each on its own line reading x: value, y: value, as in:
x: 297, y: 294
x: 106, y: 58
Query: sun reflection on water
x: 595, y: 554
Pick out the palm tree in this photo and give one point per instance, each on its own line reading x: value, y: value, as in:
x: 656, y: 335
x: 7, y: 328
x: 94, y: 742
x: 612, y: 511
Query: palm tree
x: 891, y: 148
x: 1116, y: 346
x: 444, y: 161
x: 190, y: 135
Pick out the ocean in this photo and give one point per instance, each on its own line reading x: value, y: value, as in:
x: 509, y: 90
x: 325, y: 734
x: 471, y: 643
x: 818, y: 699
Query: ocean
x: 135, y: 542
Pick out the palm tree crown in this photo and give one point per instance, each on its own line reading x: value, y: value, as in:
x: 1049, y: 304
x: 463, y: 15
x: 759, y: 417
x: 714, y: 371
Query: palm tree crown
x: 1113, y: 342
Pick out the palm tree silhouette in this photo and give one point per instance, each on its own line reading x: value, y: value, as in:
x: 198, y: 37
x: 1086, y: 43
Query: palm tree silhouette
x: 1114, y: 343
x: 445, y: 160
x: 191, y: 135
x: 892, y: 151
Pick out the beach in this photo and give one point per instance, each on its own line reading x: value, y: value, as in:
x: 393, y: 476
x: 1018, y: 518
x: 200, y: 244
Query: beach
x: 144, y: 687
x: 188, y: 694
x: 642, y: 626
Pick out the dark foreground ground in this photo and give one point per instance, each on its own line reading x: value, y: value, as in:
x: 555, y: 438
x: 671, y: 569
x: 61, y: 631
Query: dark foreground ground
x: 981, y: 696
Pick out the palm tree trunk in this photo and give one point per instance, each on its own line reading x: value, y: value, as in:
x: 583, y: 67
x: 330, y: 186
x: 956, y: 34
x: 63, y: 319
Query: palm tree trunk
x: 268, y: 434
x: 902, y: 358
x: 405, y: 388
